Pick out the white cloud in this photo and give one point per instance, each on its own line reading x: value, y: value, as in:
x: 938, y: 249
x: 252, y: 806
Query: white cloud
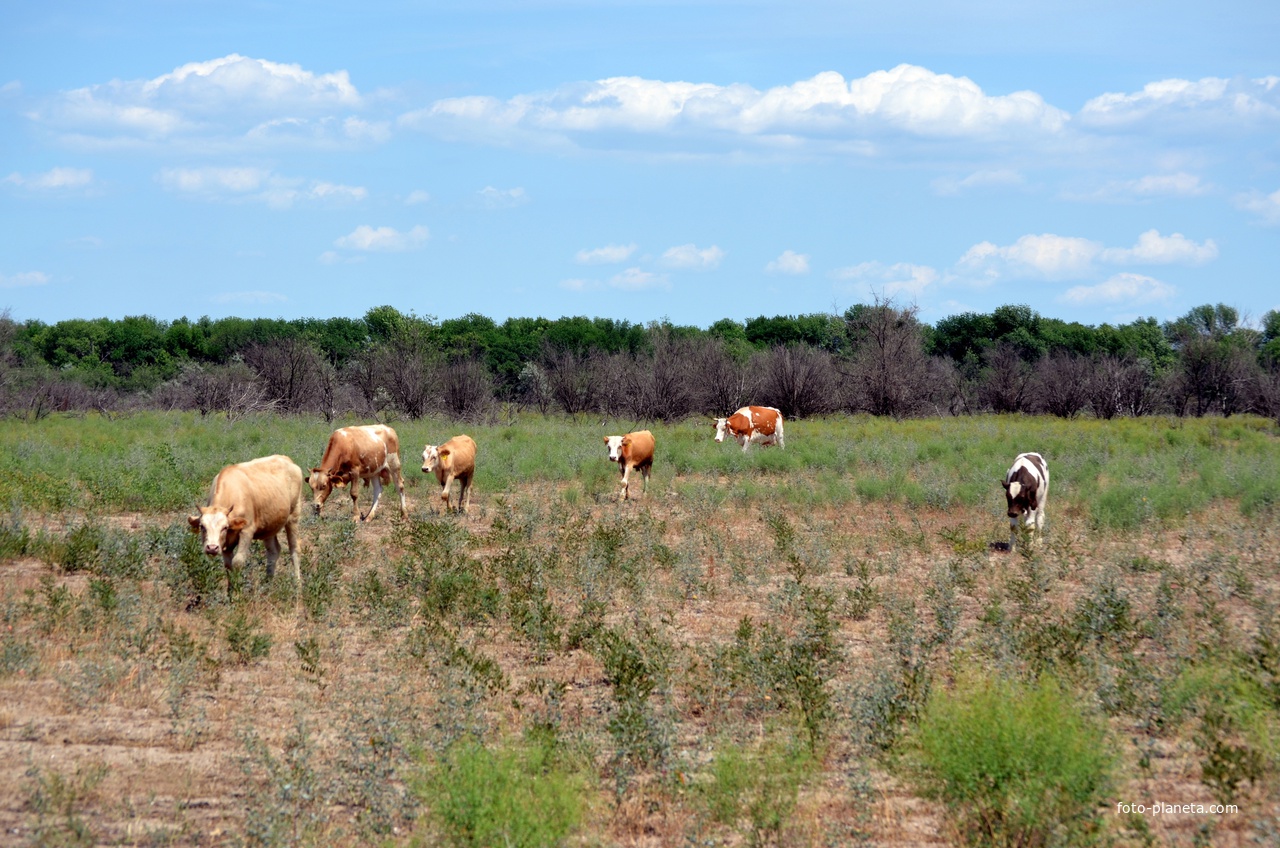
x: 417, y: 196
x: 634, y: 279
x: 1265, y: 206
x: 1191, y: 104
x: 1155, y: 249
x: 579, y: 285
x: 258, y: 297
x: 256, y: 184
x: 1151, y: 187
x: 1122, y: 288
x: 496, y: 198
x: 692, y: 257
x: 53, y: 179
x: 789, y: 262
x: 608, y: 254
x: 998, y: 178
x: 383, y: 239
x: 230, y: 98
x: 890, y: 281
x: 905, y: 99
x: 23, y: 280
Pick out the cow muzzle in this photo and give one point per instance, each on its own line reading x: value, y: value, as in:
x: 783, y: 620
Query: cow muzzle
x: 213, y: 550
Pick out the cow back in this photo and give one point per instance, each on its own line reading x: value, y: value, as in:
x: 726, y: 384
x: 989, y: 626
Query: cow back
x: 359, y: 451
x: 265, y: 492
x: 458, y: 455
x: 637, y: 447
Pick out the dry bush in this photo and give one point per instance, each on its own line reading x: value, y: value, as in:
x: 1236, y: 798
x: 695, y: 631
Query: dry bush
x: 797, y: 379
x: 1062, y: 384
x: 719, y: 382
x: 889, y: 373
x: 1005, y: 385
x: 292, y: 373
x: 466, y: 389
x: 1121, y: 386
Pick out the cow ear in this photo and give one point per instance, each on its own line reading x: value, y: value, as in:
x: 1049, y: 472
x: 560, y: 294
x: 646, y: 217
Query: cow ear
x: 626, y: 441
x: 606, y: 440
x: 1005, y: 483
x: 444, y: 453
x: 194, y: 521
x: 237, y: 522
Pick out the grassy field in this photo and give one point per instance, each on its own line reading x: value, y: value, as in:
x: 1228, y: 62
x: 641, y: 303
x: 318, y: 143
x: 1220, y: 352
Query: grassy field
x: 817, y: 646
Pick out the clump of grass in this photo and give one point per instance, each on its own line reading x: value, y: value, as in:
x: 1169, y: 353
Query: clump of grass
x: 520, y: 793
x: 243, y: 639
x: 754, y: 787
x: 1015, y: 763
x: 57, y: 799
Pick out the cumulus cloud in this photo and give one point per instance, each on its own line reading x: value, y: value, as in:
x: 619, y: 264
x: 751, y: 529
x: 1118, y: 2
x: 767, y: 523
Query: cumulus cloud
x: 23, y: 280
x: 905, y: 99
x: 1150, y: 187
x: 496, y: 198
x: 1122, y: 288
x: 579, y: 285
x: 890, y: 281
x: 608, y: 254
x: 1265, y: 206
x: 789, y: 262
x: 998, y: 178
x: 232, y: 97
x: 53, y: 179
x: 255, y: 184
x: 383, y: 239
x: 690, y: 256
x: 1155, y: 249
x: 254, y: 297
x: 1053, y: 257
x: 1189, y: 104
x: 417, y: 196
x: 635, y: 279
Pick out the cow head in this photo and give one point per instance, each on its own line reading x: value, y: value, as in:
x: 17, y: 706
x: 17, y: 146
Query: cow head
x: 322, y: 483
x: 219, y: 530
x: 431, y: 458
x: 1022, y: 495
x: 722, y: 428
x: 614, y: 445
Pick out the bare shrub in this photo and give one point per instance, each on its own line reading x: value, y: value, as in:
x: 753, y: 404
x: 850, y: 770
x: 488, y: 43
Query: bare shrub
x: 1062, y: 384
x: 573, y: 380
x: 889, y: 370
x: 233, y: 389
x: 1121, y: 386
x: 406, y: 370
x: 1006, y: 380
x: 466, y: 389
x: 535, y: 388
x: 797, y: 379
x: 719, y: 382
x: 656, y: 384
x: 291, y: 372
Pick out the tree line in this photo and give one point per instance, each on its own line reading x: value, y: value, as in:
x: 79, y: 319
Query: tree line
x: 877, y: 358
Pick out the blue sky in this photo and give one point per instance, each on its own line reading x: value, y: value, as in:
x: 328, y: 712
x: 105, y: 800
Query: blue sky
x: 1098, y: 161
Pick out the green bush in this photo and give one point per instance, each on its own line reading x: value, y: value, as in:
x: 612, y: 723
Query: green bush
x: 1016, y: 764
x: 517, y: 794
x: 755, y: 788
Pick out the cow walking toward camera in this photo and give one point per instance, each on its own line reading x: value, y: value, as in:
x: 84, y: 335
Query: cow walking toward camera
x: 1026, y: 487
x: 247, y: 501
x: 759, y: 424
x: 634, y: 450
x: 370, y: 452
x: 454, y: 460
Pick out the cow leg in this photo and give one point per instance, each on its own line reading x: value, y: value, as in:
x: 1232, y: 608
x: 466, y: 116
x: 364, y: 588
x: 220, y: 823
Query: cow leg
x: 626, y: 482
x: 234, y: 561
x: 355, y: 503
x: 464, y: 494
x: 393, y: 462
x: 444, y: 492
x: 272, y: 544
x: 746, y: 443
x: 645, y: 472
x: 1013, y: 533
x: 291, y: 535
x: 377, y: 493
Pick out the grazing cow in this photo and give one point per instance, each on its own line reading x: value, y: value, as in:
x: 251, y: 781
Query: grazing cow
x: 454, y: 460
x: 252, y: 500
x: 761, y: 424
x: 1026, y: 487
x: 370, y: 452
x: 634, y: 450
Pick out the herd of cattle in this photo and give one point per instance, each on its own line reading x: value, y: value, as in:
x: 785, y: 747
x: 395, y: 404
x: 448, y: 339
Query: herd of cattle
x: 259, y: 498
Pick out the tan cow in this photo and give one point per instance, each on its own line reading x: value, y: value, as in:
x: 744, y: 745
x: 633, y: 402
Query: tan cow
x: 762, y: 424
x: 252, y: 500
x: 454, y: 460
x: 634, y: 450
x: 370, y: 452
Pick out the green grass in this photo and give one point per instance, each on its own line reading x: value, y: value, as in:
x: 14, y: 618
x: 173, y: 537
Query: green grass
x: 1120, y: 474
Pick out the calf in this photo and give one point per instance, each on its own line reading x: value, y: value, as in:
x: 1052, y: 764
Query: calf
x: 252, y: 500
x: 1026, y: 488
x: 454, y: 460
x: 762, y: 424
x: 370, y: 452
x: 634, y: 450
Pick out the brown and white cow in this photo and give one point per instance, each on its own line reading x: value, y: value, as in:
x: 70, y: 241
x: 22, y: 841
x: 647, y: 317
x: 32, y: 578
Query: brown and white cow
x: 634, y: 450
x: 1026, y: 487
x: 761, y: 424
x: 369, y: 452
x: 252, y: 500
x: 454, y: 460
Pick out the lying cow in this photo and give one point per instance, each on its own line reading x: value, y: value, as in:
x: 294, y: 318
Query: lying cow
x: 370, y: 452
x: 634, y: 450
x: 1026, y: 487
x: 252, y: 500
x: 454, y: 460
x: 761, y: 424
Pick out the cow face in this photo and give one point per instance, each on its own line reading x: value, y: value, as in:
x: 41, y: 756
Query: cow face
x: 430, y: 458
x: 1021, y: 495
x: 219, y: 530
x: 321, y: 484
x: 722, y: 428
x: 614, y: 446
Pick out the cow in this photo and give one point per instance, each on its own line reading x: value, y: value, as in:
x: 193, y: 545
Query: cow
x: 634, y: 450
x: 370, y: 452
x: 762, y: 424
x: 454, y: 460
x: 247, y: 501
x: 1026, y: 487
